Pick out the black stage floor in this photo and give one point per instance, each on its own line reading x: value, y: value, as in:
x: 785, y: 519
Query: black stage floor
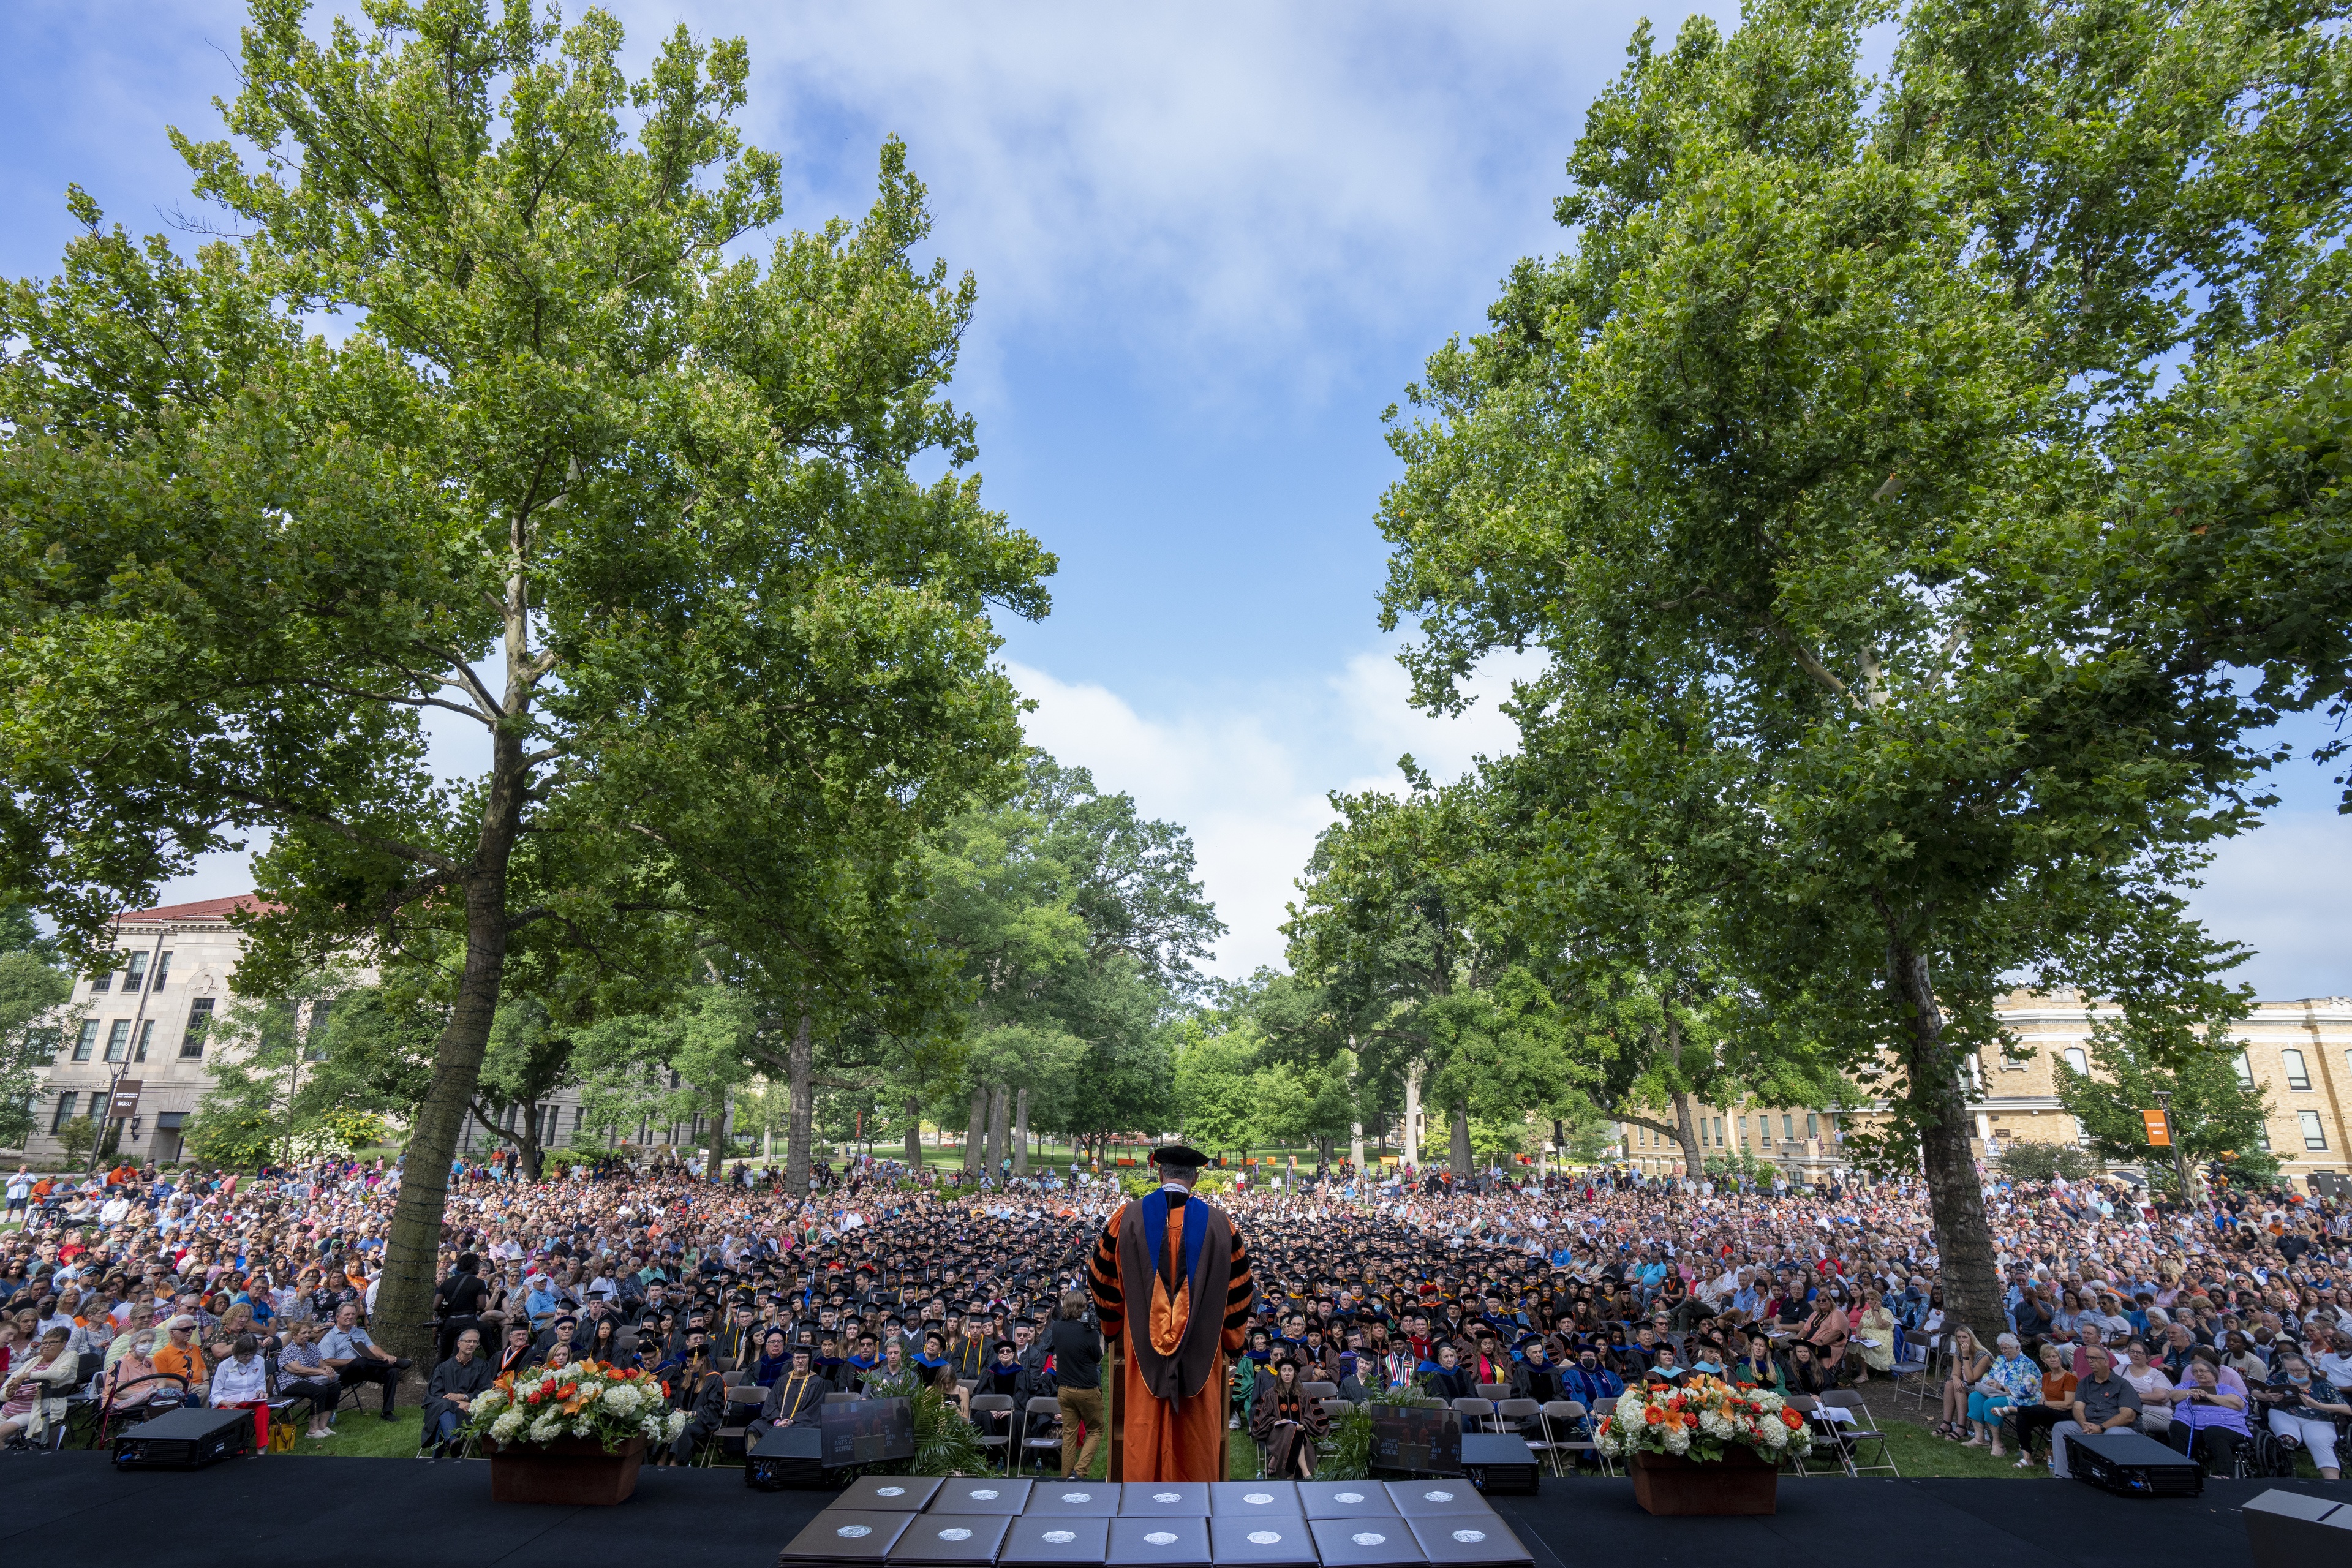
x: 74, y: 1508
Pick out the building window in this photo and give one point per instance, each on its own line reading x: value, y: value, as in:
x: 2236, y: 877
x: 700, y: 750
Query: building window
x: 1813, y: 1125
x: 146, y: 1033
x: 87, y: 1041
x: 2298, y: 1076
x: 2314, y: 1135
x: 578, y: 1113
x: 102, y: 981
x: 1743, y: 1132
x: 118, y: 1040
x: 163, y: 972
x: 2077, y: 1059
x: 2245, y: 1072
x: 1788, y: 1127
x: 200, y: 1019
x: 2263, y: 1137
x: 64, y: 1111
x: 135, y: 975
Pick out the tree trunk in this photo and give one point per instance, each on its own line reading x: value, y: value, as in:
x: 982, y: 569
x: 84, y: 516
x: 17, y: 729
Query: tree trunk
x: 718, y: 1141
x: 999, y: 1115
x: 1686, y: 1134
x: 1972, y: 1293
x: 1413, y: 1117
x: 1021, y: 1134
x: 975, y: 1134
x: 527, y: 1140
x: 413, y: 1247
x: 914, y: 1136
x: 801, y: 1117
x: 1356, y: 1145
x: 1459, y: 1156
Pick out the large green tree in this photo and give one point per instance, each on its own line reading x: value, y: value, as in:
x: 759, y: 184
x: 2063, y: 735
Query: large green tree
x: 34, y: 1019
x: 577, y: 470
x: 1884, y: 425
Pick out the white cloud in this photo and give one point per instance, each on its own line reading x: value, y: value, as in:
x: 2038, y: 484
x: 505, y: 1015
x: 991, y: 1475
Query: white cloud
x: 1248, y: 774
x: 1215, y: 187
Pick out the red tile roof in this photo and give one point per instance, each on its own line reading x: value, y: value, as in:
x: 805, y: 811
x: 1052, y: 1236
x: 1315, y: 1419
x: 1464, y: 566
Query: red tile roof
x: 203, y: 909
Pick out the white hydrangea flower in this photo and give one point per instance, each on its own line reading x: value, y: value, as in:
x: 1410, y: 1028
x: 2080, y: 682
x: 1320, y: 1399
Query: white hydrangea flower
x: 1768, y: 1402
x: 507, y: 1425
x: 584, y: 1429
x: 548, y: 1427
x: 624, y: 1398
x: 1677, y: 1439
x: 1714, y: 1424
x: 652, y: 1426
x: 677, y: 1422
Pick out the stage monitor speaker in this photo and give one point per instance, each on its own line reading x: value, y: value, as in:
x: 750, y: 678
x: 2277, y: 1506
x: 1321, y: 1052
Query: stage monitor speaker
x: 1499, y: 1462
x: 787, y: 1458
x: 2294, y: 1529
x: 1418, y: 1439
x: 2131, y: 1464
x: 185, y: 1440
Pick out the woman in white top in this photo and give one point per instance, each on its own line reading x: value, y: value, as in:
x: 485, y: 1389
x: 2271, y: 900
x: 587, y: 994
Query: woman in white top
x: 2155, y: 1389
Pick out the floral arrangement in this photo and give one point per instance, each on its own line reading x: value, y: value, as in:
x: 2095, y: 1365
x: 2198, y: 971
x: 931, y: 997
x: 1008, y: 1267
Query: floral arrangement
x: 1700, y: 1417
x: 583, y: 1399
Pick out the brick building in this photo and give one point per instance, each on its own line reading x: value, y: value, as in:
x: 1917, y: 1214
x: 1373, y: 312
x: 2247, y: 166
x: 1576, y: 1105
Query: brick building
x: 2299, y: 1052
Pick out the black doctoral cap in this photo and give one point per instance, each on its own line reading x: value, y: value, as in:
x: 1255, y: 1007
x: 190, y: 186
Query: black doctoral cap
x: 1181, y: 1156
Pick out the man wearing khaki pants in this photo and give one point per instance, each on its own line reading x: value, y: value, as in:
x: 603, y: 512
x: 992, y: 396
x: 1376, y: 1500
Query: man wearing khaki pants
x: 1077, y: 1349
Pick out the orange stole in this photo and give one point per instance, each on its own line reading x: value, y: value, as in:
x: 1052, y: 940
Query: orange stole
x: 1150, y: 1440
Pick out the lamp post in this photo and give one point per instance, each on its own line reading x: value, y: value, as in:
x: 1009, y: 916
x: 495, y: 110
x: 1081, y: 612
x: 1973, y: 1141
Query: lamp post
x: 2172, y: 1133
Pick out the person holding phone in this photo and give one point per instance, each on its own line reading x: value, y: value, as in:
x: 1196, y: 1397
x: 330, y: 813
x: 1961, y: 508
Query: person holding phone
x: 2302, y: 1408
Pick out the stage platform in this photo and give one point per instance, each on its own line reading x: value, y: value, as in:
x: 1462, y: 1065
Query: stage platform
x: 75, y: 1508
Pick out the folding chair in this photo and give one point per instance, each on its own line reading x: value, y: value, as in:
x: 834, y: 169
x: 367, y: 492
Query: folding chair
x: 1050, y: 1407
x: 1335, y: 1407
x: 1515, y: 1414
x: 992, y: 1413
x: 114, y: 1407
x: 1470, y: 1407
x: 1849, y: 1440
x: 842, y: 1398
x: 1914, y: 1363
x: 1804, y: 1405
x: 1319, y: 1390
x: 1494, y: 1390
x: 733, y: 1437
x: 1561, y: 1418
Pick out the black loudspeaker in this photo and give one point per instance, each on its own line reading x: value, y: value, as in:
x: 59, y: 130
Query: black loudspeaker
x: 185, y: 1440
x: 1417, y: 1439
x: 2292, y: 1530
x: 2132, y: 1465
x: 787, y: 1458
x: 1499, y: 1462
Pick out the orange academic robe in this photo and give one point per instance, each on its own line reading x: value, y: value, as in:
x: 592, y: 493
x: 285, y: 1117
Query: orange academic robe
x: 1153, y: 1439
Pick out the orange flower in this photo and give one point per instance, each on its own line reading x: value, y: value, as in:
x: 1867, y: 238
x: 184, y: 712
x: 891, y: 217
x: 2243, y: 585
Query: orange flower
x: 1690, y: 1418
x: 1654, y: 1415
x: 1793, y: 1419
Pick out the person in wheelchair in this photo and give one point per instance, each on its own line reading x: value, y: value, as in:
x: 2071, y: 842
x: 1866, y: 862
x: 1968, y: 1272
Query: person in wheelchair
x: 2302, y: 1407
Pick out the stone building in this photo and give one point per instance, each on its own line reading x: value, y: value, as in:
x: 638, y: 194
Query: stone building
x: 145, y: 1025
x: 2299, y: 1052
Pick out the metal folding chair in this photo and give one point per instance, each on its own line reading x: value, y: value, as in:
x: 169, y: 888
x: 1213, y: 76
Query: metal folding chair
x: 1804, y: 1405
x: 733, y: 1437
x: 1471, y: 1407
x: 993, y: 1413
x: 1850, y: 1439
x: 1049, y: 1407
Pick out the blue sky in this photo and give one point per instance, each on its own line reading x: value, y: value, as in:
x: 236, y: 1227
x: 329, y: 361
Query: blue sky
x: 1212, y: 244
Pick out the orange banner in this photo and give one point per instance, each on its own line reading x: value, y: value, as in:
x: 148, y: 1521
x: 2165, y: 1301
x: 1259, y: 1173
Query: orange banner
x: 2159, y: 1132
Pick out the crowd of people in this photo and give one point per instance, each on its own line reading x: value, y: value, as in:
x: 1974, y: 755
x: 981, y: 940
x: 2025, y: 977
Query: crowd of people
x: 2224, y: 1327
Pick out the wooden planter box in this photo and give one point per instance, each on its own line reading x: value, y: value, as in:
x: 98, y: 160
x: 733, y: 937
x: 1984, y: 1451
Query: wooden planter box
x: 575, y: 1471
x: 1740, y: 1482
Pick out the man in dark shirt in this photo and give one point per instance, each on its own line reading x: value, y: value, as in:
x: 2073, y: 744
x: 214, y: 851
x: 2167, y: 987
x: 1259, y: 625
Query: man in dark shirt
x: 2103, y: 1403
x: 1077, y: 1349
